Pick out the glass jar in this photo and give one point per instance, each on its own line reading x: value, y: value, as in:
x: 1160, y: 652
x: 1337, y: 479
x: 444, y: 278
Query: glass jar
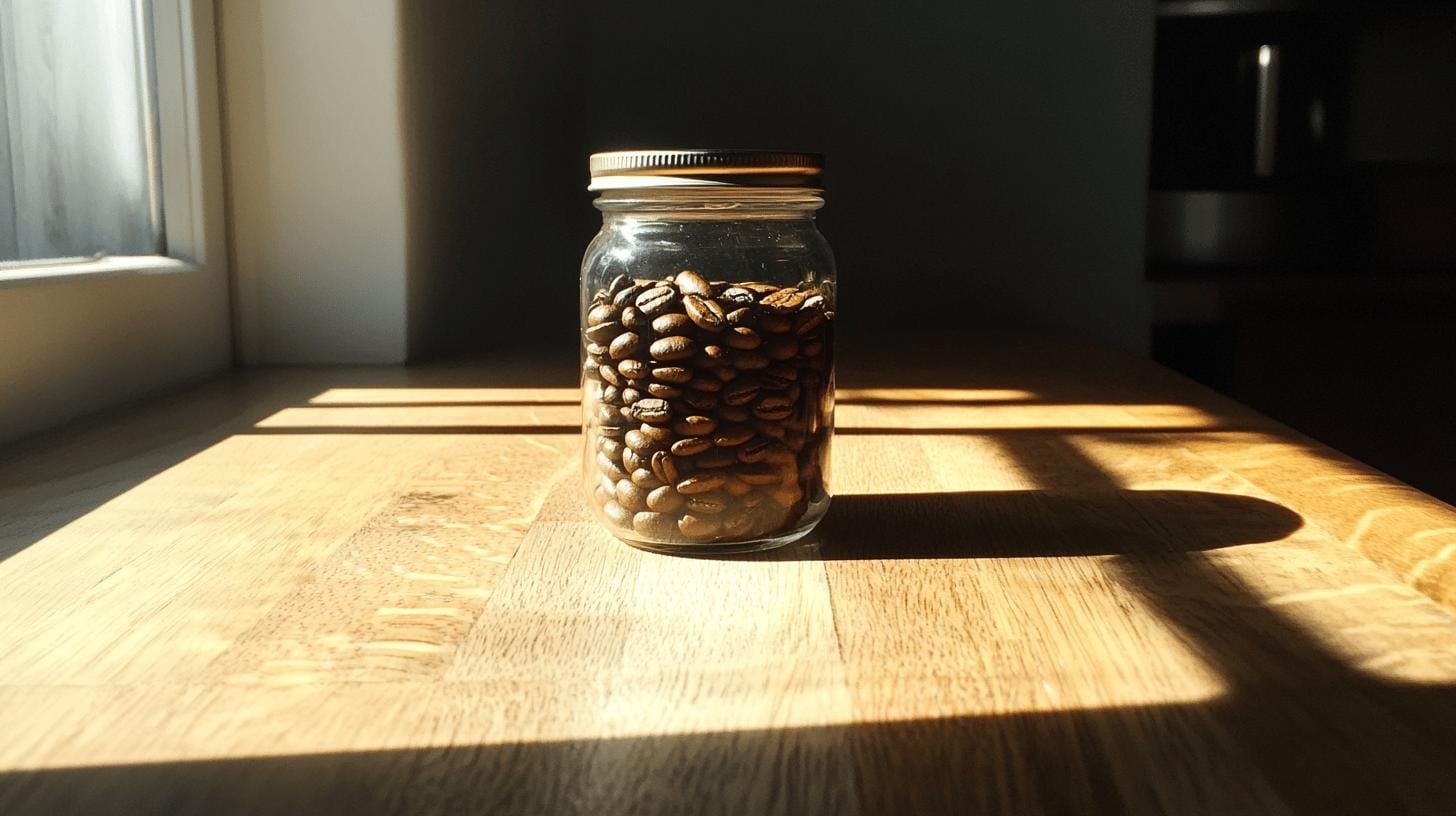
x: 707, y: 319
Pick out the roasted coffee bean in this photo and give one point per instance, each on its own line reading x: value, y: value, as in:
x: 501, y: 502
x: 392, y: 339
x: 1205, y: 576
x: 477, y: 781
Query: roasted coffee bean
x: 631, y: 460
x: 670, y: 324
x: 807, y: 322
x: 717, y: 458
x: 596, y: 350
x: 776, y: 323
x: 659, y: 435
x: 602, y: 313
x: 757, y: 474
x: 743, y: 337
x: 734, y: 413
x: 691, y: 283
x: 639, y: 442
x: 741, y: 391
x: 664, y: 465
x: 785, y: 300
x: 607, y: 414
x: 729, y: 436
x: 664, y: 391
x: 672, y: 374
x: 772, y: 430
x: 736, y: 487
x: 612, y: 395
x: 695, y: 425
x: 624, y: 344
x: 601, y: 495
x: 652, y: 410
x: 611, y: 431
x: 705, y: 384
x: 656, y: 300
x: 629, y: 394
x: 632, y: 318
x: 756, y: 450
x: 713, y: 354
x: 664, y: 499
x: 627, y: 295
x: 725, y: 373
x: 691, y: 446
x: 654, y: 525
x: 737, y: 526
x: 646, y: 479
x: 632, y: 369
x: 677, y: 347
x: 742, y: 316
x: 701, y: 400
x: 610, y: 447
x: 589, y: 369
x: 738, y: 294
x: 814, y: 302
x: 611, y: 468
x: 782, y: 347
x: 699, y: 526
x: 707, y: 504
x: 620, y: 516
x: 749, y: 361
x: 701, y: 483
x: 705, y: 313
x: 630, y: 496
x: 603, y: 332
x: 617, y: 284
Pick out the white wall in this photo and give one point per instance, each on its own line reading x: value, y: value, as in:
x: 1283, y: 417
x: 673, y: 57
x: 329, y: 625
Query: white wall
x: 315, y: 179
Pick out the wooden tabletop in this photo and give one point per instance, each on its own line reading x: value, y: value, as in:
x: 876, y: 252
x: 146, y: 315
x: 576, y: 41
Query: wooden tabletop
x: 1055, y: 579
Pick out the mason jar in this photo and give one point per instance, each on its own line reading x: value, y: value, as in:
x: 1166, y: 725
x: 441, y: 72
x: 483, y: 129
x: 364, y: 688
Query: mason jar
x: 707, y: 327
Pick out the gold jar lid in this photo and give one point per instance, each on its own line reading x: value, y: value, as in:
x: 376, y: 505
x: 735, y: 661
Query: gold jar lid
x: 629, y: 169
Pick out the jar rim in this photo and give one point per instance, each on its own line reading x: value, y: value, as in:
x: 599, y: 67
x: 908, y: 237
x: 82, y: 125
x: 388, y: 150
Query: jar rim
x: 697, y: 167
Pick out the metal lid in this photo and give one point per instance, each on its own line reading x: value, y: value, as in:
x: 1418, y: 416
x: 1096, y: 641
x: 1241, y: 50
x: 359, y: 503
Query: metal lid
x: 625, y: 169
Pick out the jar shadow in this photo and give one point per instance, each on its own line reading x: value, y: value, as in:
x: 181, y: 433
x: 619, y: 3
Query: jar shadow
x: 1036, y: 523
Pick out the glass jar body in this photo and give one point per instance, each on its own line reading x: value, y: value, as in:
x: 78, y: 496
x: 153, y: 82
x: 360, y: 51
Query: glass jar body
x: 707, y: 322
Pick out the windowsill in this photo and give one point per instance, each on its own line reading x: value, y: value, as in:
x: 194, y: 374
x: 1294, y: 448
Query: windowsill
x: 92, y: 268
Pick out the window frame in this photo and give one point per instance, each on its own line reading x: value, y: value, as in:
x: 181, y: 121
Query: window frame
x: 188, y: 154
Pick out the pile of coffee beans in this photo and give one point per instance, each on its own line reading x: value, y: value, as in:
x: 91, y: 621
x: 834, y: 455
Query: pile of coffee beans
x: 709, y: 406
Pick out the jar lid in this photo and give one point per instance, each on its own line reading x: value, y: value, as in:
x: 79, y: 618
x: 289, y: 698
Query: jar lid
x: 627, y: 169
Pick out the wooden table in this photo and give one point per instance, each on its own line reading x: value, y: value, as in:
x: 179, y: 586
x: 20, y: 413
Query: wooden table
x: 1054, y: 580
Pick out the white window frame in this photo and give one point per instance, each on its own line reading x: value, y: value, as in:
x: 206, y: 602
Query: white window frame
x: 188, y: 153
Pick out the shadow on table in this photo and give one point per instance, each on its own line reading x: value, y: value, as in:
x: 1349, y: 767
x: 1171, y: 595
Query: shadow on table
x: 1016, y: 523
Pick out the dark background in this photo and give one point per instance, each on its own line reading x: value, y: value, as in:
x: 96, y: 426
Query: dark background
x: 989, y: 164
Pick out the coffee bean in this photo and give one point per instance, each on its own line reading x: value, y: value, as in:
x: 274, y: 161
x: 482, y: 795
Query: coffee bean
x: 624, y: 344
x: 744, y: 338
x: 664, y: 391
x: 632, y: 368
x: 627, y: 295
x: 691, y: 446
x: 664, y: 499
x: 652, y: 410
x: 717, y: 458
x: 601, y: 313
x: 785, y: 300
x: 734, y: 413
x: 701, y: 400
x: 607, y: 414
x: 629, y: 394
x: 781, y: 348
x: 610, y: 447
x: 699, y: 526
x: 695, y: 426
x: 725, y: 373
x: 672, y: 374
x: 701, y: 483
x: 729, y: 436
x: 741, y: 391
x: 617, y: 284
x: 773, y: 407
x: 589, y: 369
x: 705, y: 384
x: 740, y: 317
x: 612, y: 395
x: 705, y: 313
x: 645, y: 479
x: 814, y: 302
x: 749, y: 361
x: 713, y: 354
x: 654, y: 525
x: 620, y: 516
x: 707, y: 504
x: 660, y: 436
x: 630, y: 496
x: 609, y: 374
x: 664, y: 465
x: 691, y: 283
x: 676, y: 347
x: 632, y: 318
x: 736, y: 487
x: 670, y: 324
x: 631, y: 460
x: 610, y: 467
x: 657, y: 300
x: 757, y: 474
x: 603, y: 332
x: 738, y: 294
x: 596, y: 351
x: 776, y: 323
x: 807, y: 322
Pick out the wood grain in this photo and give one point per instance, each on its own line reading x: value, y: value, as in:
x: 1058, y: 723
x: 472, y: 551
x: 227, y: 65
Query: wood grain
x: 375, y: 590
